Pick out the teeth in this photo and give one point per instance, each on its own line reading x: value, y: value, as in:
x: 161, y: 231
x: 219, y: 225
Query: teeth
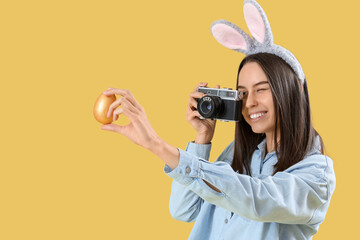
x: 252, y: 116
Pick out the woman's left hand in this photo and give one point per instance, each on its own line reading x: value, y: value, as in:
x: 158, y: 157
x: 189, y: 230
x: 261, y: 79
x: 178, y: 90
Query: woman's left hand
x: 139, y: 130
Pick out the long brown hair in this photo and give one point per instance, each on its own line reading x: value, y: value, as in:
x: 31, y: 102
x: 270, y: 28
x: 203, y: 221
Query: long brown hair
x: 293, y: 117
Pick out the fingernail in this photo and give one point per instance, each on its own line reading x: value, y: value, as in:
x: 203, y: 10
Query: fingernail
x: 107, y: 90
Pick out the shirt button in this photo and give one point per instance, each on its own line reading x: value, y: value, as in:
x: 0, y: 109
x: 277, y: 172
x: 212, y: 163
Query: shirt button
x: 226, y: 221
x: 187, y: 169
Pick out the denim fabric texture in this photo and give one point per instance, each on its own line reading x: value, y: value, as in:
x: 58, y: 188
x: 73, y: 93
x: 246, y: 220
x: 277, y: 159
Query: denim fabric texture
x: 288, y: 205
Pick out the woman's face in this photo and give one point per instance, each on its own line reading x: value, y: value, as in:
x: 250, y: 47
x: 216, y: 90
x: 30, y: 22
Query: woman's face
x: 258, y: 107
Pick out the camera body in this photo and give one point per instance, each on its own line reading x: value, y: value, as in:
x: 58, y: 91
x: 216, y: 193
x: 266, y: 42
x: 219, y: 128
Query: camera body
x: 222, y: 104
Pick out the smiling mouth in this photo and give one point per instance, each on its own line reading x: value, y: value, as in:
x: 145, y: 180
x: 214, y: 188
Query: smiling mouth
x: 257, y: 116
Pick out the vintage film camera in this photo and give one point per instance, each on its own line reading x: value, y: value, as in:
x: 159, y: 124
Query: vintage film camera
x: 222, y: 104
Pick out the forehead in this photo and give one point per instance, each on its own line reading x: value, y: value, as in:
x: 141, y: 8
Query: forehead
x: 250, y: 74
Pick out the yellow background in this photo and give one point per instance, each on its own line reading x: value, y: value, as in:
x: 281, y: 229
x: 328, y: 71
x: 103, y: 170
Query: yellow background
x: 62, y: 177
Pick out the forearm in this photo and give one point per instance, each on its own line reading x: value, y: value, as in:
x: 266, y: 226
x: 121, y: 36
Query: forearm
x: 203, y: 139
x: 166, y: 152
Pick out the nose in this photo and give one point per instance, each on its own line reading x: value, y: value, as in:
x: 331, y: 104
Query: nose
x: 250, y: 100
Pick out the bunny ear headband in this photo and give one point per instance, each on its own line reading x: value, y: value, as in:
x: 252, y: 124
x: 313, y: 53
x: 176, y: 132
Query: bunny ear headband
x: 234, y: 38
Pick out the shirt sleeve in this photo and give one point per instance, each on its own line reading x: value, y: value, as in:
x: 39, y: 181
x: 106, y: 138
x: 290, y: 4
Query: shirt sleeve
x: 299, y: 195
x: 184, y: 204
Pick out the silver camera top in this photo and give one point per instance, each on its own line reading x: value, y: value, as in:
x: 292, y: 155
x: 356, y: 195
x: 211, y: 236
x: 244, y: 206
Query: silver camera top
x: 224, y: 93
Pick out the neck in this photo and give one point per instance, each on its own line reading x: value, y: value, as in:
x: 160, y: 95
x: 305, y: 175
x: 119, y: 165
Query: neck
x: 270, y: 144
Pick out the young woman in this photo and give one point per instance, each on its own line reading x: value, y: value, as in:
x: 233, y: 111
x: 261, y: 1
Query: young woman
x: 272, y: 182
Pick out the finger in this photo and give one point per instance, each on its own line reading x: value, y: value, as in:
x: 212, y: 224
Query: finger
x: 116, y: 113
x: 124, y: 111
x: 197, y: 94
x: 202, y: 84
x: 193, y: 103
x: 127, y: 110
x: 125, y: 93
x: 195, y: 114
x: 189, y: 109
x: 113, y: 127
x: 193, y: 99
x: 126, y: 104
x: 217, y: 86
x: 113, y: 106
x: 192, y: 115
x: 108, y: 91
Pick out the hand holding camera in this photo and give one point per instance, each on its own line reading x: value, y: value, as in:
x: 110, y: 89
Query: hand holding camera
x: 223, y: 104
x: 206, y: 105
x: 204, y: 127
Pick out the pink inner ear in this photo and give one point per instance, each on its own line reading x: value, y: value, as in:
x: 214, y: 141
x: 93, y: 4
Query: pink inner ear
x: 254, y: 22
x: 228, y: 37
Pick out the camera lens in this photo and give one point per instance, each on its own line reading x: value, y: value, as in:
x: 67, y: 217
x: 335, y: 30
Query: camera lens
x: 205, y: 107
x: 209, y: 106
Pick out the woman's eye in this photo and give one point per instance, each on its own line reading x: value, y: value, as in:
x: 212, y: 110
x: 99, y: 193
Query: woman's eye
x: 242, y: 94
x: 261, y: 89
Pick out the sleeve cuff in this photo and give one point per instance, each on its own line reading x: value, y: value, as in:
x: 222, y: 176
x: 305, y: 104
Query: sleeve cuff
x: 199, y: 150
x: 187, y: 170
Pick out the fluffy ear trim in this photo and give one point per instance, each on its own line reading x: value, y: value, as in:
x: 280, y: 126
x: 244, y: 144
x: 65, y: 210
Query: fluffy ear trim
x: 231, y: 36
x: 257, y: 22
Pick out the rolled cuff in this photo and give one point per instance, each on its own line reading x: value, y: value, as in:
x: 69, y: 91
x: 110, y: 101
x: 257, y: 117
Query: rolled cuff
x: 199, y: 150
x: 189, y: 163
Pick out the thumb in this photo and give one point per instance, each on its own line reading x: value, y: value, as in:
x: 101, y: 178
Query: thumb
x: 112, y: 127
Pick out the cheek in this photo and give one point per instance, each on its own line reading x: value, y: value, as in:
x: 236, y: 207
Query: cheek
x: 243, y: 110
x: 272, y: 116
x: 243, y: 106
x: 268, y: 102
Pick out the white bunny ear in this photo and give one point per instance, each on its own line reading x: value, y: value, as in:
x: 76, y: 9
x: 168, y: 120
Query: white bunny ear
x: 257, y: 22
x: 231, y: 36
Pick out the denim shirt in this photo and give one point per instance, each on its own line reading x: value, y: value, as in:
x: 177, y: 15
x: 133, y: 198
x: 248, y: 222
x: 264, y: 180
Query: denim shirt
x: 288, y: 205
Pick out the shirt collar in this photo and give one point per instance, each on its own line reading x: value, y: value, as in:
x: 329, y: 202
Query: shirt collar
x: 262, y: 147
x: 316, y: 148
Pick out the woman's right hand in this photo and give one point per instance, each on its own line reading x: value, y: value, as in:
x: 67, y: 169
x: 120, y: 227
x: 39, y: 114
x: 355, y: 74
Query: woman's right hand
x: 204, y: 128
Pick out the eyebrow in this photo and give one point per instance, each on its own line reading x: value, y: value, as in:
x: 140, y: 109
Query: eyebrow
x: 256, y: 84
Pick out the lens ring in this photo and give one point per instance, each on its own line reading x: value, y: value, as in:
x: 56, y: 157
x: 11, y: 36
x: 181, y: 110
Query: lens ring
x: 209, y: 106
x: 206, y: 107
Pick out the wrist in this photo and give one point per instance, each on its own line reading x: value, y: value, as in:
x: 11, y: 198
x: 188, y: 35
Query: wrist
x: 203, y: 139
x: 154, y: 146
x: 168, y: 153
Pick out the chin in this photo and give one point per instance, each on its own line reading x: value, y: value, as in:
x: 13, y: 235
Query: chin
x: 256, y: 128
x: 259, y: 131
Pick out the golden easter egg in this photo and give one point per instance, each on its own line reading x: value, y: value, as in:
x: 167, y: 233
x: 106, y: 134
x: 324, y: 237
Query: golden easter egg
x: 101, y: 108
